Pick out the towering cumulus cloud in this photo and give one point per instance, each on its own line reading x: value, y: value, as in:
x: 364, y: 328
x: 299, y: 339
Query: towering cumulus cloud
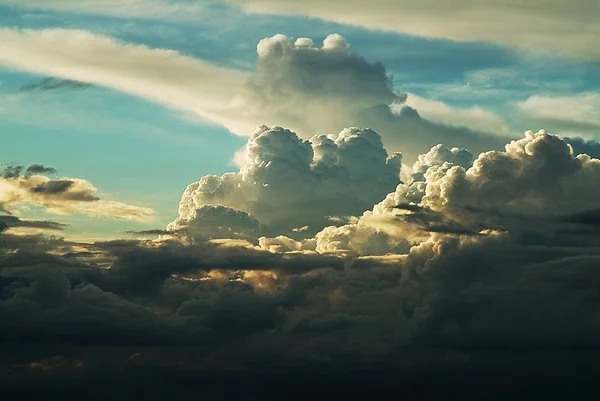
x: 293, y: 186
x: 326, y: 88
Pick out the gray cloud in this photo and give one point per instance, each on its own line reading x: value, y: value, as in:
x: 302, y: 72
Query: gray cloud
x: 52, y: 83
x: 40, y: 169
x: 13, y: 221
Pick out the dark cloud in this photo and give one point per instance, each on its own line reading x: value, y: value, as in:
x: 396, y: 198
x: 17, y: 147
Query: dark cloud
x: 155, y: 232
x: 13, y: 221
x: 12, y: 171
x: 40, y: 169
x: 53, y: 187
x: 52, y: 83
x: 589, y: 147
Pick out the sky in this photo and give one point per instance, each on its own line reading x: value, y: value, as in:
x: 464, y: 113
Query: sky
x: 306, y: 186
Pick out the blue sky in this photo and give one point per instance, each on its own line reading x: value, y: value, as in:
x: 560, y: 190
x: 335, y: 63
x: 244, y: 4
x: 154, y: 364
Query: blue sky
x: 140, y: 152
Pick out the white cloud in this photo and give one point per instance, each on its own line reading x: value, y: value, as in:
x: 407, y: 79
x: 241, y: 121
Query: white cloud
x: 568, y: 27
x: 288, y: 183
x: 535, y: 176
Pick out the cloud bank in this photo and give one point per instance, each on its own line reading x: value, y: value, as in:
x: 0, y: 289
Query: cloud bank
x: 468, y: 257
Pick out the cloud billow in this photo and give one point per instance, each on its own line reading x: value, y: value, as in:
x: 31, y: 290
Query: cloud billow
x: 288, y: 183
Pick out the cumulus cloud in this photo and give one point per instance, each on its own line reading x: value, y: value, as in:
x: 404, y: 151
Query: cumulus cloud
x: 306, y: 87
x: 288, y: 183
x: 60, y: 196
x: 563, y: 26
x: 536, y: 175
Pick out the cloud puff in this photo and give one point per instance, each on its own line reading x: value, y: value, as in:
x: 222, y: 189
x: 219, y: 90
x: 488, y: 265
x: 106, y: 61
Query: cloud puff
x: 288, y: 183
x: 536, y: 175
x: 564, y: 26
x: 65, y: 195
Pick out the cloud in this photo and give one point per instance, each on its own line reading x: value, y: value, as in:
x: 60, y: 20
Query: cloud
x: 297, y: 84
x: 52, y: 83
x: 40, y: 169
x: 559, y: 26
x: 312, y: 89
x: 589, y: 147
x: 425, y: 269
x: 562, y: 26
x: 152, y: 9
x: 475, y: 118
x: 570, y: 115
x: 14, y: 221
x: 216, y: 221
x: 287, y: 183
x: 60, y: 196
x: 536, y: 175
